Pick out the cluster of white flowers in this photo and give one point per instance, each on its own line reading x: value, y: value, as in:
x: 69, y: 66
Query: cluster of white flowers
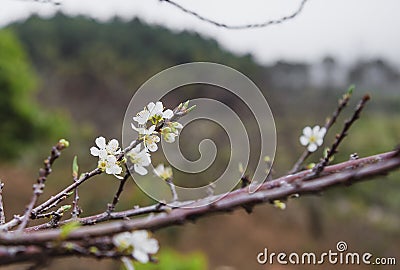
x: 138, y: 243
x: 107, y: 156
x: 152, y: 122
x: 147, y: 120
x: 313, y: 137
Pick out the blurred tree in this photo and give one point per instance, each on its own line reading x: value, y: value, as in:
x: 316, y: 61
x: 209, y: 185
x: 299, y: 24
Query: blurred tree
x: 21, y: 122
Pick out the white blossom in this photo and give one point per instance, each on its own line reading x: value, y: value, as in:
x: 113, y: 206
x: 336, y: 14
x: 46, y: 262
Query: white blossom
x: 156, y: 112
x: 113, y: 147
x: 150, y: 142
x: 142, y: 117
x: 143, y: 245
x: 149, y: 139
x: 113, y: 166
x: 103, y: 149
x: 110, y: 165
x: 312, y: 138
x: 168, y: 135
x: 138, y: 242
x: 106, y: 153
x: 163, y: 172
x: 140, y: 159
x: 122, y: 240
x: 153, y: 112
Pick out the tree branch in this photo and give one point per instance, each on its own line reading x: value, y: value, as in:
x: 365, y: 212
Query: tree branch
x: 348, y: 172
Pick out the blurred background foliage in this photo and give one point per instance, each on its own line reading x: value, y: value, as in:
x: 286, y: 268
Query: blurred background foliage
x: 73, y: 78
x: 22, y: 121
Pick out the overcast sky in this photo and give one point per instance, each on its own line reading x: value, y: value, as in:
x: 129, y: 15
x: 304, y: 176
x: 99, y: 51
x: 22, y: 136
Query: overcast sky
x: 346, y: 29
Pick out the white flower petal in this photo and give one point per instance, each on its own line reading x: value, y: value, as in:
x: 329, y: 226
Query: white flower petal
x: 152, y: 147
x: 151, y: 129
x: 319, y: 141
x: 140, y: 169
x: 94, y: 151
x: 304, y: 140
x: 178, y: 125
x: 159, y: 169
x: 101, y: 142
x: 152, y: 246
x: 139, y: 236
x: 119, y: 177
x: 111, y: 159
x: 150, y: 106
x: 316, y: 130
x: 102, y: 154
x: 171, y: 138
x: 144, y: 158
x: 167, y: 114
x: 140, y: 256
x: 122, y: 240
x: 113, y: 169
x: 112, y: 146
x: 157, y: 110
x: 136, y: 149
x: 307, y: 131
x: 142, y: 117
x: 312, y: 147
x: 140, y: 130
x: 322, y: 132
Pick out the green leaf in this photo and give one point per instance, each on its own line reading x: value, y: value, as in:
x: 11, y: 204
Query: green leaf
x: 64, y: 208
x: 75, y: 168
x: 351, y: 89
x: 68, y: 228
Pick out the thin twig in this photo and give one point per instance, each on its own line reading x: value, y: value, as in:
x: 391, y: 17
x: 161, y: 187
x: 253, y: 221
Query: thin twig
x: 342, y: 103
x: 173, y: 190
x: 75, y: 206
x: 237, y: 27
x: 2, y: 214
x: 64, y: 193
x: 111, y: 206
x: 39, y: 186
x: 339, y: 138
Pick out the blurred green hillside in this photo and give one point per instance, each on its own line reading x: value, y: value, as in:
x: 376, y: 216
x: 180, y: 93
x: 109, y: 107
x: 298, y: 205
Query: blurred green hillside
x: 22, y: 122
x: 88, y: 72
